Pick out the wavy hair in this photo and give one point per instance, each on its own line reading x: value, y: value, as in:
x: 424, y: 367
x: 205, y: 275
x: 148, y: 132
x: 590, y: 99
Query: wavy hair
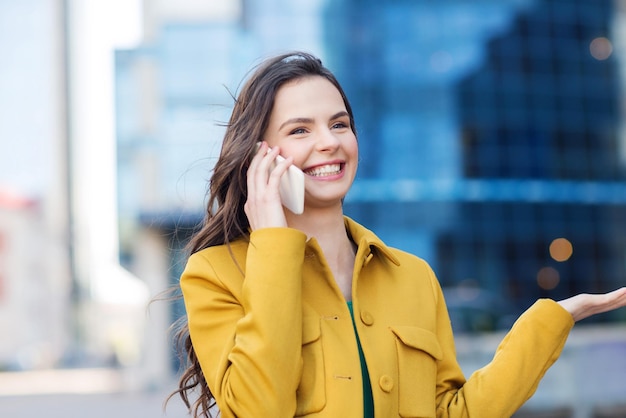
x: 225, y: 219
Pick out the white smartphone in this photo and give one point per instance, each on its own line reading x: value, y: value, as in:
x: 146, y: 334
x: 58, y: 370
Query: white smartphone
x: 291, y: 186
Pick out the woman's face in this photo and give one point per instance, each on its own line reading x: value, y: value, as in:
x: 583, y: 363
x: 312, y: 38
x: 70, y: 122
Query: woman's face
x: 310, y: 123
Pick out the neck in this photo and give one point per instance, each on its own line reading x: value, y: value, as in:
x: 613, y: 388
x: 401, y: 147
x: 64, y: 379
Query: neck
x: 323, y: 224
x: 328, y: 228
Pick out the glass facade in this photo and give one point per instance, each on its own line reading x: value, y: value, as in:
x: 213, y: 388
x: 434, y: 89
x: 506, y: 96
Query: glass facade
x: 545, y: 105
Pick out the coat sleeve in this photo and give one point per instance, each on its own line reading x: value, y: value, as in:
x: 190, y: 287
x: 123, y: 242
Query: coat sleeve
x: 500, y: 388
x: 247, y: 333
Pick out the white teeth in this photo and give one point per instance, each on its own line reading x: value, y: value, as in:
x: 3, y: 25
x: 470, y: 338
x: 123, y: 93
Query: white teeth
x: 326, y: 170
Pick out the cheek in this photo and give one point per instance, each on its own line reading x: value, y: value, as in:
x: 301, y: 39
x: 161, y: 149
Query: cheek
x: 352, y: 147
x: 299, y: 154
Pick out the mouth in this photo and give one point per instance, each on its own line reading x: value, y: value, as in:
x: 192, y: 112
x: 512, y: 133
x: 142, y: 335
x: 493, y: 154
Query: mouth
x: 325, y: 170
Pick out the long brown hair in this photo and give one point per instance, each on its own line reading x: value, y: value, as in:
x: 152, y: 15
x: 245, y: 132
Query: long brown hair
x: 225, y: 219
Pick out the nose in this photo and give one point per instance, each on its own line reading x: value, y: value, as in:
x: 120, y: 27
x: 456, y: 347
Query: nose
x: 327, y: 141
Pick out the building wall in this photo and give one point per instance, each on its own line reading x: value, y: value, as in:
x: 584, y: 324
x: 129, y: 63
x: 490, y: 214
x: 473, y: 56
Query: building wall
x: 35, y: 305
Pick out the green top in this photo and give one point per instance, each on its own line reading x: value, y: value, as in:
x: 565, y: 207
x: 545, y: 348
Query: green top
x: 368, y: 400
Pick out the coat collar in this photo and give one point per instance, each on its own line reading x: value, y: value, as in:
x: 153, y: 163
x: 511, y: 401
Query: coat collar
x: 363, y: 236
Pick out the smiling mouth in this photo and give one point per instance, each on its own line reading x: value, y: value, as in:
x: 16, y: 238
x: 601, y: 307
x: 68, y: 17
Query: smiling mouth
x: 324, y: 170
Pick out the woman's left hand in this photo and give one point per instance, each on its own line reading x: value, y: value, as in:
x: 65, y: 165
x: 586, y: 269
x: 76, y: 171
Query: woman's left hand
x: 585, y: 305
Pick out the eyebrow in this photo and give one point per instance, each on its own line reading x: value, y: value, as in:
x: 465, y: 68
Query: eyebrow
x: 309, y: 120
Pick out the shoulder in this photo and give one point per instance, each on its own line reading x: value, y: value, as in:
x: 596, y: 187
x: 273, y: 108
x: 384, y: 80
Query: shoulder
x: 395, y: 257
x: 404, y: 260
x: 217, y: 252
x: 410, y: 272
x: 217, y: 260
x: 409, y: 258
x: 414, y: 267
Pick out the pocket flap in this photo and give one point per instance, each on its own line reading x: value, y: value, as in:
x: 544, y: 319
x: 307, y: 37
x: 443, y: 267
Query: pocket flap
x: 311, y: 330
x: 420, y: 339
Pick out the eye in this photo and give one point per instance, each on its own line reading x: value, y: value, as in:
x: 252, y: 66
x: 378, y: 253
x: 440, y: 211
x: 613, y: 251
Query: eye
x: 339, y: 125
x: 298, y: 131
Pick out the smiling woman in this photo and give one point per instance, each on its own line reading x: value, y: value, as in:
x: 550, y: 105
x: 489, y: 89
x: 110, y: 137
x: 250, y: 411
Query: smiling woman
x: 312, y: 314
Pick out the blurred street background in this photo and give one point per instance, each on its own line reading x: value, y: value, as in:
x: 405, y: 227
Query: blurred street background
x: 93, y: 393
x: 492, y: 137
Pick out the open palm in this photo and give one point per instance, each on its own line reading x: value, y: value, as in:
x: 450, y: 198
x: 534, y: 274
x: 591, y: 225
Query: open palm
x: 585, y: 305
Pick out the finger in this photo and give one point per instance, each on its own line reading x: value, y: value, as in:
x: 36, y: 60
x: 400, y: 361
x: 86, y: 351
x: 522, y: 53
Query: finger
x: 251, y: 181
x: 279, y: 171
x: 258, y: 156
x: 263, y: 171
x: 256, y: 169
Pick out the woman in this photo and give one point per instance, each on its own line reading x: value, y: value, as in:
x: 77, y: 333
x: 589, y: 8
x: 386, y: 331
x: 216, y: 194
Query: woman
x: 312, y: 314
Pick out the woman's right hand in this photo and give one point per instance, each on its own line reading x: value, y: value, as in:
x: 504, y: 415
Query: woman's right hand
x: 263, y: 206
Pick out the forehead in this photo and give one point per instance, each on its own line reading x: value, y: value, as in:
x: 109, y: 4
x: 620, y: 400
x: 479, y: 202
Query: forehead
x: 308, y: 92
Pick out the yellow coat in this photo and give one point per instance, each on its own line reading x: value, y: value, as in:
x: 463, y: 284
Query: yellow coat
x: 274, y: 335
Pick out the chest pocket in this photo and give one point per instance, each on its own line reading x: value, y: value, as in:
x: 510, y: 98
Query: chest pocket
x: 418, y: 352
x: 311, y: 392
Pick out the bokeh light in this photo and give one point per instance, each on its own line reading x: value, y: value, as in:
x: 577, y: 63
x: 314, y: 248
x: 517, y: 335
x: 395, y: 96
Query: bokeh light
x: 601, y: 48
x: 548, y: 278
x: 561, y: 249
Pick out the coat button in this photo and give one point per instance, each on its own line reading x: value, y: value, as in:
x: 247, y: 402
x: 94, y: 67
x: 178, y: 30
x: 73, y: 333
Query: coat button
x: 386, y: 383
x: 367, y: 318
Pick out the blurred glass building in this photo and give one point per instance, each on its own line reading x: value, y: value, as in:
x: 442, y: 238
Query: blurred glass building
x: 491, y: 136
